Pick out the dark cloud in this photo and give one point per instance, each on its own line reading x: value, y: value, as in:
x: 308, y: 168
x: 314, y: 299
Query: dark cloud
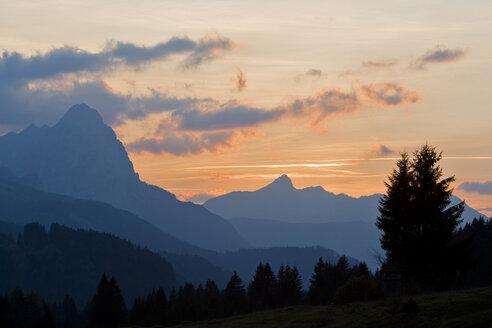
x: 15, y: 67
x: 438, y: 55
x: 184, y: 143
x: 206, y: 49
x: 485, y: 209
x: 379, y: 150
x: 482, y: 188
x: 230, y: 116
x: 310, y: 73
x: 314, y: 72
x: 389, y: 95
x: 379, y: 63
x: 134, y: 55
x: 45, y: 105
x: 192, y: 131
x: 239, y: 80
x: 38, y: 89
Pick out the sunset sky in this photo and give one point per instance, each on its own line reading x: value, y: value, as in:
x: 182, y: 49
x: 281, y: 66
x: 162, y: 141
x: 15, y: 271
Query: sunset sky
x: 214, y: 96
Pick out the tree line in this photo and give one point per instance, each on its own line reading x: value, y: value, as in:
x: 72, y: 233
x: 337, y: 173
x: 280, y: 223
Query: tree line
x: 107, y: 308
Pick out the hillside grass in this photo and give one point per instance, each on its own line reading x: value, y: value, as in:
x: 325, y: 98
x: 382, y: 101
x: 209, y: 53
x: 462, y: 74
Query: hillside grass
x: 468, y: 308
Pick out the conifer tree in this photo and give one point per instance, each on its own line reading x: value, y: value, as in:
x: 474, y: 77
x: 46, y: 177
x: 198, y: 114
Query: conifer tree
x: 417, y: 221
x: 289, y: 286
x: 234, y: 296
x: 108, y: 306
x: 261, y: 291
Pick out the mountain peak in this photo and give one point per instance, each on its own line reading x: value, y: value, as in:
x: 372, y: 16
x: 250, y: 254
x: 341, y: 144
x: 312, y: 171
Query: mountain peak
x: 283, y: 182
x: 82, y: 115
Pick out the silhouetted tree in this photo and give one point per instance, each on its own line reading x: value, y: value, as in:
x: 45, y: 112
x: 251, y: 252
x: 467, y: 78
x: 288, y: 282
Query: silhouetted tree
x: 234, y: 296
x: 320, y: 284
x: 209, y: 300
x: 327, y: 278
x: 361, y: 270
x: 479, y: 233
x: 416, y: 220
x: 108, y: 307
x: 289, y: 286
x: 261, y: 291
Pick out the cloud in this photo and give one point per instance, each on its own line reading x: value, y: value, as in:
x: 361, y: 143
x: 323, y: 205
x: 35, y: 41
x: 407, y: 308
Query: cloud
x: 310, y: 73
x: 207, y: 48
x: 39, y: 88
x: 389, y: 95
x: 314, y: 72
x: 181, y: 144
x: 379, y: 150
x: 379, y: 63
x: 369, y: 66
x: 15, y: 67
x: 229, y: 116
x: 193, y: 131
x: 45, y: 104
x: 239, y: 80
x: 482, y: 188
x: 324, y: 104
x: 437, y: 55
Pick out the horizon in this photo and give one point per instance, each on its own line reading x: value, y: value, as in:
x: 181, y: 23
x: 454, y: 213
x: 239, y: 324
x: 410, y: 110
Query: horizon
x: 210, y: 103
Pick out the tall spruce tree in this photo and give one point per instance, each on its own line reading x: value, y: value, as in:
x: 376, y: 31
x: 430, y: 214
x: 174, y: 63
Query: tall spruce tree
x: 289, y: 286
x: 234, y: 296
x: 108, y: 306
x: 261, y: 291
x: 417, y: 221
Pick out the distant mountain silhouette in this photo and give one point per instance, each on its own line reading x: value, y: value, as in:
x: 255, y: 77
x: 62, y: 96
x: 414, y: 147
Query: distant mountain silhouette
x: 64, y: 261
x: 21, y: 205
x: 81, y: 157
x: 281, y: 215
x: 281, y: 201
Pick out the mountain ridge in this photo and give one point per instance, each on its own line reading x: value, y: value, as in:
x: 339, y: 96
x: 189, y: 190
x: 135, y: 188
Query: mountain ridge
x: 81, y: 157
x: 306, y: 205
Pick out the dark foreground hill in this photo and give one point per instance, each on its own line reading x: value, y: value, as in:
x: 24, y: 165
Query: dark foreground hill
x: 81, y: 157
x: 64, y: 261
x: 461, y: 309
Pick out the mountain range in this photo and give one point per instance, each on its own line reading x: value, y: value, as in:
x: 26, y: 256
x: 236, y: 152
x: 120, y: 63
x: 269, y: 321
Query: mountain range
x: 281, y: 215
x: 280, y: 200
x: 81, y: 157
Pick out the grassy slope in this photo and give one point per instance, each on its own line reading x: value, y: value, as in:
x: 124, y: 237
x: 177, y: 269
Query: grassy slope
x: 470, y: 308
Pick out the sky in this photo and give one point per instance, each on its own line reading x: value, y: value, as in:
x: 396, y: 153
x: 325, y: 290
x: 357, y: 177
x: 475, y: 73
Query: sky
x: 210, y: 97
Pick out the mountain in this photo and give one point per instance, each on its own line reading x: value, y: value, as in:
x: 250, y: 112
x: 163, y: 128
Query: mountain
x: 64, y: 261
x: 280, y: 200
x: 358, y: 239
x: 21, y: 205
x: 81, y: 157
x: 281, y: 215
